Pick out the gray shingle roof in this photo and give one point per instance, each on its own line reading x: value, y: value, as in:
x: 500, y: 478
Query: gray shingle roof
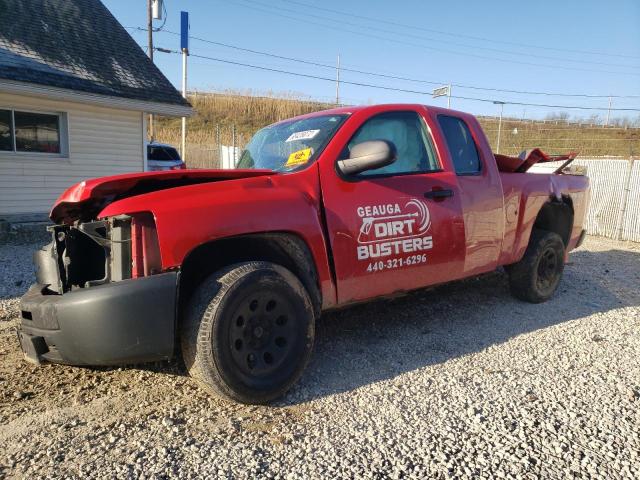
x: 77, y: 45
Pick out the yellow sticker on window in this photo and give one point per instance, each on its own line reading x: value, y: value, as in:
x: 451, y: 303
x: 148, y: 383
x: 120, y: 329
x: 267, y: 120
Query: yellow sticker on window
x: 299, y: 157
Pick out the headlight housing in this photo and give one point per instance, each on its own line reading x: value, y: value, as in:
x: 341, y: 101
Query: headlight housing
x: 97, y: 252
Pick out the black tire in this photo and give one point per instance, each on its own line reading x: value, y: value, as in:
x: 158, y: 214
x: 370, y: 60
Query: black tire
x: 535, y: 278
x: 248, y: 332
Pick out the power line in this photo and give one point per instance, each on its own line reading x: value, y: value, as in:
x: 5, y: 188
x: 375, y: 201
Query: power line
x: 422, y: 46
x: 441, y: 32
x: 394, y: 77
x: 447, y: 42
x: 418, y: 92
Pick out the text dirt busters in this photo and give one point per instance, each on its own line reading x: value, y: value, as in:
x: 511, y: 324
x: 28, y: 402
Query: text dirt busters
x: 393, y: 229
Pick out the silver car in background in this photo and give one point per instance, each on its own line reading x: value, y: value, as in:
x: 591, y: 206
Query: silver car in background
x: 161, y: 156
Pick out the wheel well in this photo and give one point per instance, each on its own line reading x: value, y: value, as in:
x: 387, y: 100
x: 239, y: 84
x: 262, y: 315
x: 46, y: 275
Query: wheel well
x: 556, y: 216
x: 285, y: 249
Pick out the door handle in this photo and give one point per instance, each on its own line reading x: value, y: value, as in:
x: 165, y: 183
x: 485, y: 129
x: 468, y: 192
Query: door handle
x: 439, y: 194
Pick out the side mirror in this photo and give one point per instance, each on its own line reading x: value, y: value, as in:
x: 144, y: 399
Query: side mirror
x: 368, y: 156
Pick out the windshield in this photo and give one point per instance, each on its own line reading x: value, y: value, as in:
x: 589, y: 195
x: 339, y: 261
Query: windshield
x: 290, y: 145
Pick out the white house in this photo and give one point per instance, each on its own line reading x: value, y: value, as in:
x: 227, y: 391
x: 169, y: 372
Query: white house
x: 75, y: 92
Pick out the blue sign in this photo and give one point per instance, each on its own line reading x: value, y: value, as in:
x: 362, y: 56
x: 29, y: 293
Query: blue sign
x: 184, y: 30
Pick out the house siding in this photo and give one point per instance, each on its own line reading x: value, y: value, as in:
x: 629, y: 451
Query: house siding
x: 101, y: 141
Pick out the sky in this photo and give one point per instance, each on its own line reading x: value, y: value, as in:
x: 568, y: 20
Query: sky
x: 569, y: 47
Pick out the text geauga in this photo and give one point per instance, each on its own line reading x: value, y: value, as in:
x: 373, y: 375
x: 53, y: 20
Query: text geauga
x: 377, y: 210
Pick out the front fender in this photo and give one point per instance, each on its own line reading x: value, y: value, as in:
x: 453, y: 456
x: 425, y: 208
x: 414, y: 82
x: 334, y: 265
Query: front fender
x: 189, y: 216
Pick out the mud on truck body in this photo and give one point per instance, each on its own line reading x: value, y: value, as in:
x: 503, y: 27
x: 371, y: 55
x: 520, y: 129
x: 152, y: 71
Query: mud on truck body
x: 231, y: 268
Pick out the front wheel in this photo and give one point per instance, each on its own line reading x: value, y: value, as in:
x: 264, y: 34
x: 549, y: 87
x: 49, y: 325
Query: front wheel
x: 248, y: 332
x: 536, y: 277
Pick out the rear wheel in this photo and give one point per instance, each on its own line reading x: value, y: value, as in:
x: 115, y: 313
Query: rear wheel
x: 248, y: 332
x: 536, y: 277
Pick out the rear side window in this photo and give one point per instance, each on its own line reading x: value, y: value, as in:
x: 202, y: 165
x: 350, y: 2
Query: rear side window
x: 173, y: 153
x: 462, y: 148
x: 158, y: 152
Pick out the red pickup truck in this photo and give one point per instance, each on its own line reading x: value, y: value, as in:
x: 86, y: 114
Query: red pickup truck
x: 231, y: 268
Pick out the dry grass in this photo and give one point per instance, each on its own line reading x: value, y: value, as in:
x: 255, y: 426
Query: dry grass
x: 219, y: 117
x: 246, y: 112
x: 560, y: 137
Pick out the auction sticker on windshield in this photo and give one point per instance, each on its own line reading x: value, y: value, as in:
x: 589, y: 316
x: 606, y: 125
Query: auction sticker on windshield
x: 299, y: 157
x: 304, y: 135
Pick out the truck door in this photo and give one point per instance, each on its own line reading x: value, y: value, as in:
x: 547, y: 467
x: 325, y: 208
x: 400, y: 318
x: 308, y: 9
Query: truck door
x: 481, y: 192
x: 395, y: 228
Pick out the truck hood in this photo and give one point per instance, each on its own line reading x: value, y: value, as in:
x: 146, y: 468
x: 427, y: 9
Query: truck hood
x: 84, y: 200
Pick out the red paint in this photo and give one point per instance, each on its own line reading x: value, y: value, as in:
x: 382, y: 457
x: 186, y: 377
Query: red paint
x: 528, y: 159
x: 486, y: 223
x: 86, y: 196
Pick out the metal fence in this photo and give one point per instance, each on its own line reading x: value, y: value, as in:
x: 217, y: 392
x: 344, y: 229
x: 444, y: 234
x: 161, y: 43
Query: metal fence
x: 614, y: 211
x: 212, y: 156
x: 211, y: 148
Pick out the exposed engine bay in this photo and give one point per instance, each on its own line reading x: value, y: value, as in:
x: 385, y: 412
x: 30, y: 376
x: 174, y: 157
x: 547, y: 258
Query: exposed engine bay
x: 101, y: 251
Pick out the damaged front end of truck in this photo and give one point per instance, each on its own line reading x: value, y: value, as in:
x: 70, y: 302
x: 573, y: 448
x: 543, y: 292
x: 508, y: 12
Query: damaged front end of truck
x: 98, y: 252
x: 99, y: 296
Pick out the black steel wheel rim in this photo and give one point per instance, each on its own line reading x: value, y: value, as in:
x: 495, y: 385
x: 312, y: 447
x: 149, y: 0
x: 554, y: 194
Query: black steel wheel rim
x: 547, y: 269
x: 262, y: 333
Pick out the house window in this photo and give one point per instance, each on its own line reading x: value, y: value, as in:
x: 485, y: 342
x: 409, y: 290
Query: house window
x: 6, y: 130
x: 31, y: 132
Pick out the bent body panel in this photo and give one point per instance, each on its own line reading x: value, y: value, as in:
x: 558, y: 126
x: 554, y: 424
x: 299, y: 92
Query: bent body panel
x: 526, y: 194
x: 187, y: 217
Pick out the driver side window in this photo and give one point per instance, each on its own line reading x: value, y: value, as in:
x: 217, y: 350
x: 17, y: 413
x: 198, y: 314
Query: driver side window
x: 408, y: 133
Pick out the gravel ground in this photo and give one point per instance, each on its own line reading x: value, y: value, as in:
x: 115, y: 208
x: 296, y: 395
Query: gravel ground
x: 461, y: 381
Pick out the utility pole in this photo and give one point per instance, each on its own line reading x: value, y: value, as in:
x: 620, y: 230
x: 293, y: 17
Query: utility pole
x: 184, y: 46
x: 232, y: 157
x: 338, y: 81
x: 449, y: 96
x: 150, y: 53
x: 183, y: 143
x: 499, y: 124
x: 608, y: 113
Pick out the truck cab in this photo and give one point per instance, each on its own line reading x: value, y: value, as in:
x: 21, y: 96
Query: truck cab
x: 231, y: 268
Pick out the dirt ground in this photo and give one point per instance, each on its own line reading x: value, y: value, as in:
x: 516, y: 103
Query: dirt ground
x: 461, y: 381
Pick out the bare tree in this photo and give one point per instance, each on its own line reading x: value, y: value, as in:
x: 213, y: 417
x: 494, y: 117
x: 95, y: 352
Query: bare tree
x: 560, y: 116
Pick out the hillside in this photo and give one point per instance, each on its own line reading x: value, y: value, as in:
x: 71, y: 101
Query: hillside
x: 246, y: 112
x: 221, y: 117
